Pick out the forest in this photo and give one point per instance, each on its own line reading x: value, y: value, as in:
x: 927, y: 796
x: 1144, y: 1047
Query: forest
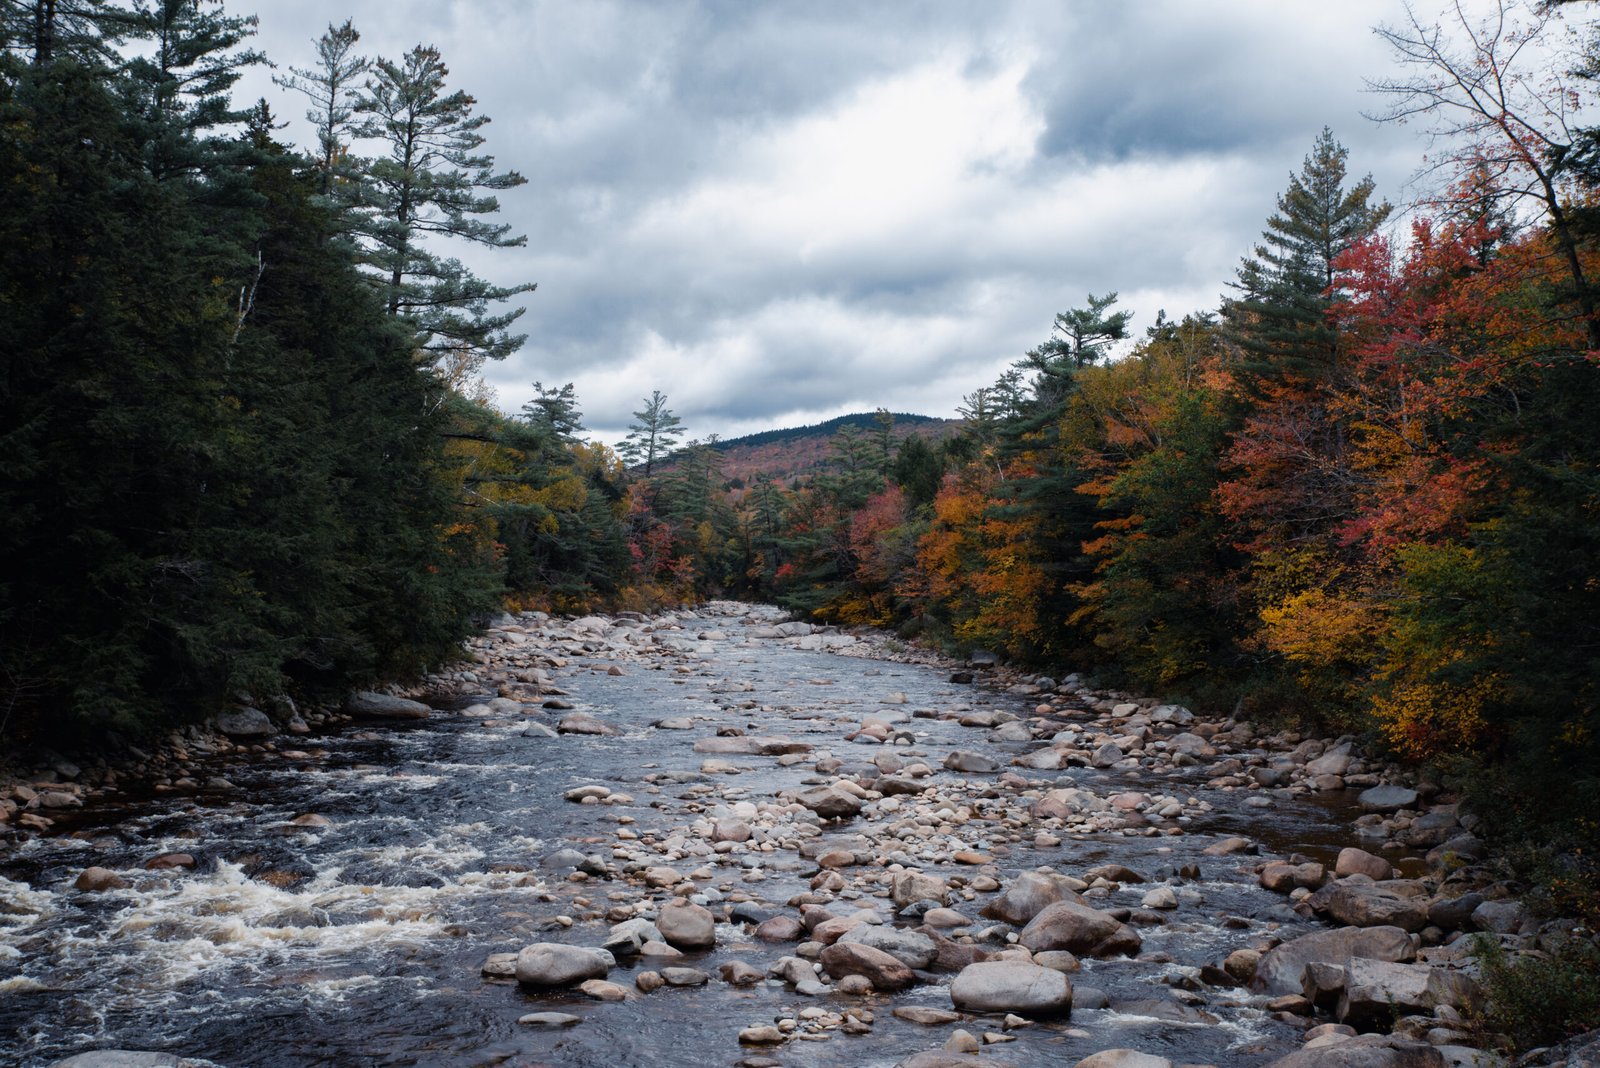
x: 248, y: 448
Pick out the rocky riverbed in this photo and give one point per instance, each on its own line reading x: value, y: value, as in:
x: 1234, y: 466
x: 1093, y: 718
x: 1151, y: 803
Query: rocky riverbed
x: 723, y: 837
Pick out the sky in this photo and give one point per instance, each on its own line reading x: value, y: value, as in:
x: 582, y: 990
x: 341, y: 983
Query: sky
x: 780, y: 212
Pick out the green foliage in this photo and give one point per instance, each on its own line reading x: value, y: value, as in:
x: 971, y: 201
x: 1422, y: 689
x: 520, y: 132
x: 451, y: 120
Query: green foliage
x: 1539, y: 998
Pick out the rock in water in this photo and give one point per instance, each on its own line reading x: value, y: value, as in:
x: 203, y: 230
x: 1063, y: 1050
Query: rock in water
x: 830, y: 802
x: 1123, y: 1058
x: 881, y: 969
x: 1012, y: 986
x: 1283, y: 967
x: 687, y: 926
x: 376, y: 705
x: 1365, y: 1051
x: 555, y: 964
x: 1387, y: 799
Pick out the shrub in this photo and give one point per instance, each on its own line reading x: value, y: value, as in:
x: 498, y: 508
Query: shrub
x: 1541, y: 998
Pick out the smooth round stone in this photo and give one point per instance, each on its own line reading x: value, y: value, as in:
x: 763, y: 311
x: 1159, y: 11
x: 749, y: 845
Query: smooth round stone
x: 550, y: 1019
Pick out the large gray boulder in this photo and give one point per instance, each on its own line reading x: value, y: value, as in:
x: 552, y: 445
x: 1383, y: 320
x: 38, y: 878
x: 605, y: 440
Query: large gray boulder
x: 1123, y: 1058
x: 1012, y: 986
x: 1078, y: 929
x: 908, y: 947
x: 1026, y: 897
x: 555, y: 964
x: 830, y: 802
x: 1367, y: 1051
x: 687, y: 926
x: 245, y: 723
x: 882, y: 970
x: 1375, y: 991
x: 374, y: 705
x: 1366, y: 905
x: 1387, y: 799
x: 1283, y: 967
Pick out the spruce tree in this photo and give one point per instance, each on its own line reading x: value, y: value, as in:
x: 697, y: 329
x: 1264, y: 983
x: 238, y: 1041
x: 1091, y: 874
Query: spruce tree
x: 1279, y: 319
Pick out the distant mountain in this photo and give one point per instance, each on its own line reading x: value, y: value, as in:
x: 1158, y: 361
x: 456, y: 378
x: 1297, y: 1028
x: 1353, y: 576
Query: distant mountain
x: 798, y: 452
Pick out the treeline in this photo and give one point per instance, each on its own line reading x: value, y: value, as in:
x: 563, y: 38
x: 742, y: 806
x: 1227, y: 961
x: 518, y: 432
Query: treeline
x: 1365, y: 495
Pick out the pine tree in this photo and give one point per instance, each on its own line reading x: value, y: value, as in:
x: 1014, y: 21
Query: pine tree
x: 1279, y: 318
x: 427, y: 187
x: 331, y: 88
x: 653, y: 434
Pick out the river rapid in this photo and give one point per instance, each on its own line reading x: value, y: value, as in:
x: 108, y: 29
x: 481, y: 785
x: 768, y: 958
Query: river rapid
x: 357, y: 936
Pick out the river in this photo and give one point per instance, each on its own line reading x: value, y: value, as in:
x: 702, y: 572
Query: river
x: 360, y: 941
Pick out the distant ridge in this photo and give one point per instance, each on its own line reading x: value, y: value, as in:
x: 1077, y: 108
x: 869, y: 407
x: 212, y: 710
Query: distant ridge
x: 793, y: 454
x: 827, y: 428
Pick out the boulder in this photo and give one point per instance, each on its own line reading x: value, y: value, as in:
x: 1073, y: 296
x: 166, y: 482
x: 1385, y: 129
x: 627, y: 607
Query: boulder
x: 1123, y: 1058
x: 555, y: 964
x: 96, y: 879
x: 881, y: 969
x: 687, y: 926
x: 1353, y: 861
x: 1375, y: 992
x: 971, y: 763
x: 1387, y: 799
x: 908, y: 947
x: 1501, y: 917
x: 830, y: 802
x: 779, y: 929
x: 909, y: 887
x: 1282, y: 968
x: 374, y: 705
x: 1026, y: 897
x: 245, y: 723
x: 1366, y: 905
x: 583, y: 723
x: 130, y: 1058
x: 1367, y: 1051
x: 1078, y: 929
x: 1012, y: 986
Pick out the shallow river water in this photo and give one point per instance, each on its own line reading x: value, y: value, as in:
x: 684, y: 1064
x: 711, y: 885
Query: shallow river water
x: 369, y: 949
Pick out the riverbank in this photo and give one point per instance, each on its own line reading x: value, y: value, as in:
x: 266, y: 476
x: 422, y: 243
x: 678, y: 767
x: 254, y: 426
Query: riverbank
x: 894, y: 855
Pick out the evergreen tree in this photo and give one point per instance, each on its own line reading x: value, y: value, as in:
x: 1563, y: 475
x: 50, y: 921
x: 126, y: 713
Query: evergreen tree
x: 652, y: 435
x: 428, y: 186
x: 331, y: 88
x: 555, y: 411
x: 1279, y: 318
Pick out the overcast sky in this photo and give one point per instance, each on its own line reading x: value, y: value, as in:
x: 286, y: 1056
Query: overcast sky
x: 780, y: 212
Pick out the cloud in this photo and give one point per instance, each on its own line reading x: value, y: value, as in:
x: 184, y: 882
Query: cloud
x: 779, y: 212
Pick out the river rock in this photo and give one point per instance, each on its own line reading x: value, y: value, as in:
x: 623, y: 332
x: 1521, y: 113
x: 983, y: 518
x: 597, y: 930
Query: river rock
x: 730, y: 831
x: 685, y: 976
x: 908, y: 947
x: 245, y: 723
x: 1282, y: 968
x: 1365, y: 905
x: 583, y: 723
x: 1161, y: 897
x: 601, y: 990
x: 1387, y: 799
x: 95, y: 879
x: 738, y: 973
x: 921, y: 1014
x: 1123, y: 1058
x: 1375, y: 991
x: 628, y: 938
x: 1077, y: 929
x: 556, y: 964
x: 1367, y: 1051
x: 971, y: 763
x: 830, y: 802
x: 1455, y: 913
x: 1012, y: 986
x: 1501, y: 917
x: 550, y: 1019
x: 779, y: 929
x: 687, y: 926
x: 374, y: 705
x: 883, y: 970
x: 909, y: 887
x: 1026, y: 897
x: 1353, y: 861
